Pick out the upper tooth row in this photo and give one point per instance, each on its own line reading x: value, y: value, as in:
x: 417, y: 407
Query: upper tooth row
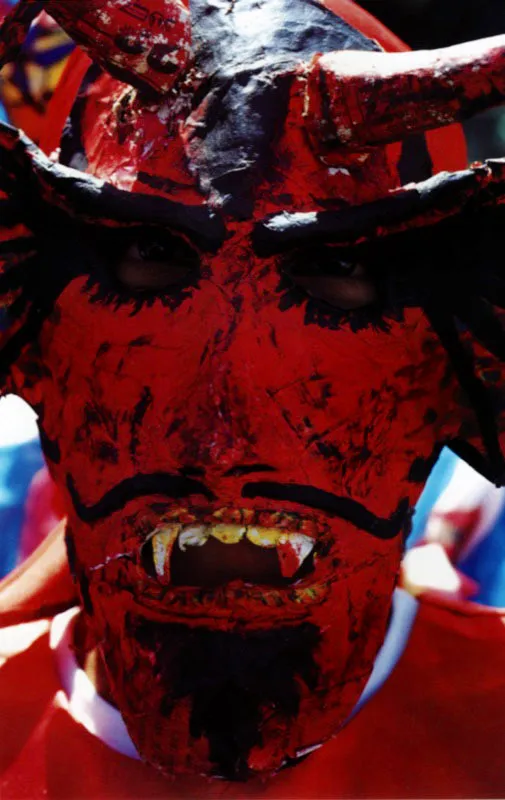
x: 197, y: 535
x: 292, y: 548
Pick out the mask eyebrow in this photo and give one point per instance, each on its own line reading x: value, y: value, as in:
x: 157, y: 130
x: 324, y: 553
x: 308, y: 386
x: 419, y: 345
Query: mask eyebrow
x: 205, y: 229
x: 279, y: 232
x: 415, y: 206
x: 88, y: 199
x: 286, y: 230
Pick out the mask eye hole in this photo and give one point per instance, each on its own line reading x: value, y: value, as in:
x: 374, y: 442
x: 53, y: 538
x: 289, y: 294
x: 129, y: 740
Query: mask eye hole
x: 156, y: 262
x: 325, y: 274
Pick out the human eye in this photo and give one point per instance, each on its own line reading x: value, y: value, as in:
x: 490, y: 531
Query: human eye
x: 155, y: 262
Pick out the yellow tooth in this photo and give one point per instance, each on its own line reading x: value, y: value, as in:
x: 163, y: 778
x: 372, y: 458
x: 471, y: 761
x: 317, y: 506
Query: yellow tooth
x: 162, y: 542
x: 227, y: 534
x: 193, y: 536
x: 266, y: 537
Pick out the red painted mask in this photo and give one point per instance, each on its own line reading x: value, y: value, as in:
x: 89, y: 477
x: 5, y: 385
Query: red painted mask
x: 241, y: 412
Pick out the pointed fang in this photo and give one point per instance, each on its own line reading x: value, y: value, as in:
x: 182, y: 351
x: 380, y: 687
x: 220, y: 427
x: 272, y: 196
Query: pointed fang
x: 292, y: 551
x: 162, y: 544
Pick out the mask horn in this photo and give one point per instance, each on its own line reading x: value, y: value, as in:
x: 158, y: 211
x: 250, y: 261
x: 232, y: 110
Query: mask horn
x: 357, y: 100
x: 146, y: 45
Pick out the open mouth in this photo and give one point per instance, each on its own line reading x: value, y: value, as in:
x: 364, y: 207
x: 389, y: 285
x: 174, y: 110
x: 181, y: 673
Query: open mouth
x: 233, y: 563
x: 211, y: 555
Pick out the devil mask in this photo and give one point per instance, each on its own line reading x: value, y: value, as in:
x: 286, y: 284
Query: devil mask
x: 246, y: 345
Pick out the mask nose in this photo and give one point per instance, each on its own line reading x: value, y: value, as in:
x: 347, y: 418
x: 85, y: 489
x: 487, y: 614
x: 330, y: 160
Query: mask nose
x: 229, y: 438
x: 227, y: 415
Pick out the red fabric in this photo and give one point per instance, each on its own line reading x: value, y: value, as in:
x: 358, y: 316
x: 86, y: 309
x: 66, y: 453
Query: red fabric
x: 43, y: 511
x: 435, y: 729
x: 41, y: 585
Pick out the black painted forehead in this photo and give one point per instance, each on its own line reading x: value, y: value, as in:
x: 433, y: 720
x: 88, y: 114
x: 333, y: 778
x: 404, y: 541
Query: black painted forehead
x: 250, y: 48
x: 230, y: 36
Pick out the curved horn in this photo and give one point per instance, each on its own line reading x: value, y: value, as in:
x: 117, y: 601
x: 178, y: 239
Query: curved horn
x: 145, y: 44
x: 358, y: 100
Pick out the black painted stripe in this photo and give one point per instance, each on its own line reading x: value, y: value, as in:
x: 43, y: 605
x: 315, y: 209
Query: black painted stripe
x: 160, y: 483
x: 342, y: 507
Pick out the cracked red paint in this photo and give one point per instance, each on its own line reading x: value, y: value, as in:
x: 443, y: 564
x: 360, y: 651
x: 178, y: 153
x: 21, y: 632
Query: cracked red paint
x: 237, y: 372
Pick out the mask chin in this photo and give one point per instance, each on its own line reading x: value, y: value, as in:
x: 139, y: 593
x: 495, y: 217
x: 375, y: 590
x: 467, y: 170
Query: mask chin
x: 237, y: 705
